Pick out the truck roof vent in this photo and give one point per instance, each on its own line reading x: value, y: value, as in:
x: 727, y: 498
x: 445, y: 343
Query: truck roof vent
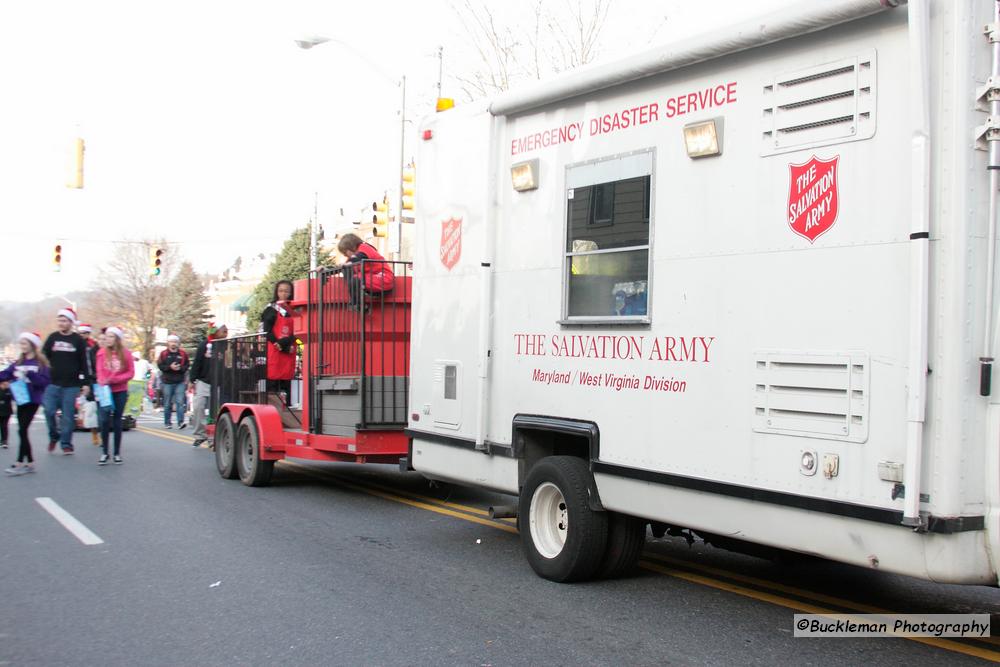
x: 820, y: 105
x: 812, y: 394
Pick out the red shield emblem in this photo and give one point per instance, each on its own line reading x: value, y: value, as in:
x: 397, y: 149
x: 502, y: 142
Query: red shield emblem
x: 451, y: 242
x: 812, y: 197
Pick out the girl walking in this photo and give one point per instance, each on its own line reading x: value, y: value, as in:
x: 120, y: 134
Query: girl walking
x: 114, y: 369
x: 32, y: 369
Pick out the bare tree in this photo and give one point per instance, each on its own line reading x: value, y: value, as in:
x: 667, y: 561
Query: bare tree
x: 555, y: 35
x: 129, y: 296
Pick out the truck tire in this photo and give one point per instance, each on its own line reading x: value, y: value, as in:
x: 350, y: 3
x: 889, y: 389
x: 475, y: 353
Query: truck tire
x: 252, y: 469
x: 225, y: 447
x: 563, y: 538
x: 626, y: 538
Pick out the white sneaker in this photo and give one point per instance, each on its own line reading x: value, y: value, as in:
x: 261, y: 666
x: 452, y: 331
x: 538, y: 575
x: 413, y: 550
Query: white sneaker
x: 103, y: 461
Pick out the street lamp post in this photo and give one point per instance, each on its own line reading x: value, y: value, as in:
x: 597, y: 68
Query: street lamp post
x: 395, y: 240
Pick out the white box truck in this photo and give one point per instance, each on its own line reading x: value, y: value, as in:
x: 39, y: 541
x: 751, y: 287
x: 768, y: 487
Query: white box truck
x: 741, y: 285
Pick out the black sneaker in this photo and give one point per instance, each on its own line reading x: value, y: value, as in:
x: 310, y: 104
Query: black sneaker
x: 118, y: 460
x: 3, y: 445
x: 103, y: 461
x: 182, y: 425
x: 167, y: 426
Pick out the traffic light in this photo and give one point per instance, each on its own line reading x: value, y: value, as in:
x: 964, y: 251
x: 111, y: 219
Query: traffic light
x: 57, y: 258
x: 76, y: 176
x: 409, y: 187
x: 380, y: 219
x: 155, y: 261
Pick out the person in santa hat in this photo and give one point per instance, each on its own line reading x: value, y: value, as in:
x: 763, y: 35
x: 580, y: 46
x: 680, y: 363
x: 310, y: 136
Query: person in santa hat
x: 66, y: 352
x: 87, y: 332
x: 32, y: 369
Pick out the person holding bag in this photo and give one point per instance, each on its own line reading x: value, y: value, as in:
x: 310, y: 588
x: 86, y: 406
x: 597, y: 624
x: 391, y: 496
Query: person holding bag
x: 115, y: 368
x: 27, y: 379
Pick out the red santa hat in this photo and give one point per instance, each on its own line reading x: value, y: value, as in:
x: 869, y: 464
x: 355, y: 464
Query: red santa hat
x: 83, y: 327
x: 68, y: 313
x: 32, y: 338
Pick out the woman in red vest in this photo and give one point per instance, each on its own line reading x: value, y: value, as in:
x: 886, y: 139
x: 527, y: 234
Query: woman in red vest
x: 276, y: 323
x: 375, y: 278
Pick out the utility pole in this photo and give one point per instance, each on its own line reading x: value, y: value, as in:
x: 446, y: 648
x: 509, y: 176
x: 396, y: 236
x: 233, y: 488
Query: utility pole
x: 313, y: 243
x: 440, y: 68
x: 396, y: 241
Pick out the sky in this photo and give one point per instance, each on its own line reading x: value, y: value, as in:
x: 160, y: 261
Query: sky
x: 206, y: 125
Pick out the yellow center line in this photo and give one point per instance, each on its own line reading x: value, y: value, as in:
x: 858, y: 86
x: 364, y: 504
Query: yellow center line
x: 475, y: 515
x: 423, y: 498
x: 168, y: 436
x: 398, y: 499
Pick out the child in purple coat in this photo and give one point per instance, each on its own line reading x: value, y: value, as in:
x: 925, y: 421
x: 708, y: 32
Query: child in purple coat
x: 33, y: 369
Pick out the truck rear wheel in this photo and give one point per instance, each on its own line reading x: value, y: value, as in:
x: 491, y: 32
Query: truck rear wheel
x: 253, y: 470
x: 626, y: 538
x: 563, y: 538
x: 225, y: 447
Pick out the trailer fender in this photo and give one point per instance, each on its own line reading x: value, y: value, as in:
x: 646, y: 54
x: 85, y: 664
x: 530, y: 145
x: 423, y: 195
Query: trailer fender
x: 272, y: 434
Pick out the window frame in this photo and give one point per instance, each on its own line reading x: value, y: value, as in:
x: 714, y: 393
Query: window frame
x: 573, y: 180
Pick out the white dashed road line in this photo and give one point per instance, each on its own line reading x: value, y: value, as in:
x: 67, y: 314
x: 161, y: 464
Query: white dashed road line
x: 69, y: 522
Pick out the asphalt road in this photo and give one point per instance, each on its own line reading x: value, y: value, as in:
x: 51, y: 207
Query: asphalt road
x: 340, y: 564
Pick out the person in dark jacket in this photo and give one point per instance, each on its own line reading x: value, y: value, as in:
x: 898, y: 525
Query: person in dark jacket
x: 173, y: 364
x: 208, y: 352
x: 32, y: 369
x: 86, y: 332
x: 66, y: 352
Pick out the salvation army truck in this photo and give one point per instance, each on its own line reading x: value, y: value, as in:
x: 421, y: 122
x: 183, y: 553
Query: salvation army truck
x: 740, y: 285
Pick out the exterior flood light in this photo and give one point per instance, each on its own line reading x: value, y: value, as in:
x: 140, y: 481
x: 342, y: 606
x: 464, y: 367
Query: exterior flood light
x: 704, y: 138
x: 524, y: 175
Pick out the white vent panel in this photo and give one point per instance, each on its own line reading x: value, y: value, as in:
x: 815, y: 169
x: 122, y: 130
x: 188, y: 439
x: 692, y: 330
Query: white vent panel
x: 812, y: 394
x: 819, y: 106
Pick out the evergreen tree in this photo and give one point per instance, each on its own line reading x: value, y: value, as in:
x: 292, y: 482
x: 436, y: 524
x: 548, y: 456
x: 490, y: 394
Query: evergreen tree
x: 292, y: 263
x: 185, y: 312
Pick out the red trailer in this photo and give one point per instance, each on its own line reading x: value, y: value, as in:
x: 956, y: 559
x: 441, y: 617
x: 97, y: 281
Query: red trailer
x: 352, y: 381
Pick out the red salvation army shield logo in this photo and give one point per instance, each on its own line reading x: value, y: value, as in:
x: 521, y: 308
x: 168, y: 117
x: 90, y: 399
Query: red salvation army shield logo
x: 451, y: 242
x: 813, y: 201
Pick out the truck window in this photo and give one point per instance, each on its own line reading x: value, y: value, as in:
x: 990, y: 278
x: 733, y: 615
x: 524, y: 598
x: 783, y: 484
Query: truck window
x: 608, y: 239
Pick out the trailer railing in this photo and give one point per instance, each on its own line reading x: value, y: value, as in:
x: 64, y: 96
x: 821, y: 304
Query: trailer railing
x: 239, y: 371
x: 361, y: 319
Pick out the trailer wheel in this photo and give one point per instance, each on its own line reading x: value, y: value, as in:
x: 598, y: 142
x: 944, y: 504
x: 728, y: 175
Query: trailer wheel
x: 225, y: 447
x: 253, y: 471
x: 563, y: 538
x: 626, y: 538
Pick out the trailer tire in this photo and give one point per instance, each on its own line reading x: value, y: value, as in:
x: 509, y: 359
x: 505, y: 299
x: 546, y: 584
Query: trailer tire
x: 252, y: 469
x: 626, y: 538
x: 225, y: 447
x: 563, y: 538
